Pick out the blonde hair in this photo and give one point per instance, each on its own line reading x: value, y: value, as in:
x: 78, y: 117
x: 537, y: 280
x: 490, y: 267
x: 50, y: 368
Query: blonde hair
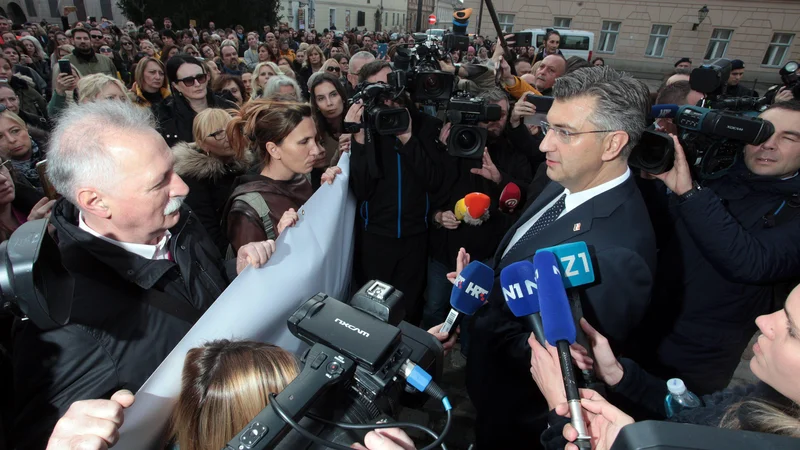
x: 224, y: 385
x: 329, y: 62
x: 90, y: 86
x: 758, y: 415
x: 14, y: 118
x: 142, y: 66
x: 314, y: 48
x: 209, y: 121
x: 254, y: 87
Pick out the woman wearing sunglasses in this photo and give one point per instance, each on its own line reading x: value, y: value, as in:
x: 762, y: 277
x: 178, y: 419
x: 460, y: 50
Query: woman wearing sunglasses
x: 191, y: 96
x: 209, y: 166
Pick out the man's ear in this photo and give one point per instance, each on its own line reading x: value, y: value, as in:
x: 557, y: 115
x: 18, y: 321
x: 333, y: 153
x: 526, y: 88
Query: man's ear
x: 91, y: 201
x: 613, y: 145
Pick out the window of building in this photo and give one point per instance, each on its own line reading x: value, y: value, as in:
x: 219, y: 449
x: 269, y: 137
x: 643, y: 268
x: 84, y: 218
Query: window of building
x: 385, y: 18
x: 31, y: 7
x: 105, y: 9
x: 361, y: 19
x: 777, y: 50
x: 562, y: 22
x: 404, y: 20
x: 332, y: 18
x: 658, y: 40
x: 608, y: 37
x: 718, y: 44
x: 506, y: 22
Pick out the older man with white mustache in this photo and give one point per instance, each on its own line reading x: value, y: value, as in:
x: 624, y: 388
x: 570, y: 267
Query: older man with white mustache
x: 144, y: 268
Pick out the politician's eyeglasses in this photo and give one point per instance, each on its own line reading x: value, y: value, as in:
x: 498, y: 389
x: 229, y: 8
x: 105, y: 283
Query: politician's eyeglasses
x: 565, y: 135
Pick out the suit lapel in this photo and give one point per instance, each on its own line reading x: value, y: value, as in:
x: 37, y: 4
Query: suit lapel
x: 547, y: 195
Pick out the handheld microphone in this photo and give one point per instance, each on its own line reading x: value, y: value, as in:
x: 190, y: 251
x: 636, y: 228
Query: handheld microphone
x: 471, y: 291
x: 575, y: 265
x: 477, y: 204
x: 663, y: 111
x: 518, y: 281
x: 559, y: 330
x: 509, y: 198
x: 460, y: 210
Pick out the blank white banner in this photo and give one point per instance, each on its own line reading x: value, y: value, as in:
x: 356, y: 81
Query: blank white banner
x: 313, y: 256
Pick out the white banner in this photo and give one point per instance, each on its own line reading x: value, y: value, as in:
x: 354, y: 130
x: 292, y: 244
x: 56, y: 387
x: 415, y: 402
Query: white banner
x: 313, y: 256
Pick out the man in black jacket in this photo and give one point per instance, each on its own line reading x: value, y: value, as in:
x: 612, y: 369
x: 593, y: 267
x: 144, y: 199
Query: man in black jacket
x: 144, y: 268
x: 732, y: 243
x: 392, y: 182
x: 596, y: 119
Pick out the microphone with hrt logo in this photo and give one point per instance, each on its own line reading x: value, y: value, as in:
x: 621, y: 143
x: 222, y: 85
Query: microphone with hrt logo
x: 470, y: 292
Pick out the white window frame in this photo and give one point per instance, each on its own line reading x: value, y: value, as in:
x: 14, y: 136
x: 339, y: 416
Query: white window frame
x: 656, y: 36
x: 506, y: 22
x: 607, y: 33
x: 716, y: 42
x: 558, y: 22
x: 776, y: 48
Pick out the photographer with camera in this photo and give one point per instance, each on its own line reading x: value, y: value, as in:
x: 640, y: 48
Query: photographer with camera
x: 392, y: 177
x: 731, y: 241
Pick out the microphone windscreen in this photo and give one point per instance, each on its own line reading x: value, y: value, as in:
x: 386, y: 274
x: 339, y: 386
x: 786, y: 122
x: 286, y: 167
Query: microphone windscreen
x: 518, y: 281
x: 509, y: 198
x: 663, y: 111
x: 472, y: 288
x: 460, y: 210
x: 553, y: 303
x: 477, y: 204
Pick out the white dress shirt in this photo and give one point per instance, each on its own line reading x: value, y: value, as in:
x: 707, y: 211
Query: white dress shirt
x: 154, y: 252
x: 571, y: 202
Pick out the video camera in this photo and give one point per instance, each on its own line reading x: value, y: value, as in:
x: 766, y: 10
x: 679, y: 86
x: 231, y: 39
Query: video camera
x: 467, y: 139
x: 790, y: 78
x: 377, y: 115
x: 425, y: 80
x: 711, y: 140
x: 712, y: 79
x: 351, y: 372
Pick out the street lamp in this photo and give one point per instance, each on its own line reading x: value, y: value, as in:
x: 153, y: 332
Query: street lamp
x: 702, y: 13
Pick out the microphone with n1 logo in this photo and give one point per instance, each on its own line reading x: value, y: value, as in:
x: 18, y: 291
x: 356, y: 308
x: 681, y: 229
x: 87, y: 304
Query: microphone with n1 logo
x: 575, y: 264
x: 518, y: 281
x: 470, y: 292
x: 559, y: 330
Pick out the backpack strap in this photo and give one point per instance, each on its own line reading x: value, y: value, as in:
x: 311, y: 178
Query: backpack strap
x: 257, y: 202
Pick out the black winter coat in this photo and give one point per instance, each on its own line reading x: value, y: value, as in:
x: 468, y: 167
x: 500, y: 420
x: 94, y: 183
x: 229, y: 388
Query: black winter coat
x: 175, y: 117
x: 392, y: 182
x: 116, y: 337
x: 210, y: 183
x: 724, y: 252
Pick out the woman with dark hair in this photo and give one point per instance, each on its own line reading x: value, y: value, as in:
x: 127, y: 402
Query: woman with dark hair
x: 552, y: 39
x: 208, y: 52
x: 284, y: 137
x: 168, y: 52
x: 15, y: 57
x: 19, y: 201
x: 328, y: 98
x: 151, y: 86
x: 598, y: 61
x: 772, y: 405
x: 231, y: 88
x: 191, y: 95
x: 30, y: 100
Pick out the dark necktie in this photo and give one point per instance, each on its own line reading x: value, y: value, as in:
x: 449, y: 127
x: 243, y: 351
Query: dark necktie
x: 546, y: 219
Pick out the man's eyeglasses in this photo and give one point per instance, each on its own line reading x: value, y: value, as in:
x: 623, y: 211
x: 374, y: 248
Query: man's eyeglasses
x: 565, y: 135
x: 334, y: 69
x: 190, y: 81
x: 218, y: 135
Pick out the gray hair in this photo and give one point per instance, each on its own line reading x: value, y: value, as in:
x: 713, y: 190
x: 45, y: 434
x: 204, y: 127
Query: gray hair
x: 275, y: 83
x: 362, y: 56
x: 622, y: 101
x: 228, y: 43
x: 493, y: 95
x: 78, y: 148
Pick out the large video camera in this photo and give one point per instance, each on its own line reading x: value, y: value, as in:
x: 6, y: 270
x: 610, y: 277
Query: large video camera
x: 425, y: 80
x: 711, y: 140
x: 352, y: 371
x: 377, y: 115
x: 712, y: 79
x: 467, y: 139
x: 790, y: 78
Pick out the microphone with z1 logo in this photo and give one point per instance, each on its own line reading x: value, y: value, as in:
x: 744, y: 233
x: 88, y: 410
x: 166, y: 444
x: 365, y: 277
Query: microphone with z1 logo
x: 559, y: 330
x: 518, y: 281
x: 470, y: 292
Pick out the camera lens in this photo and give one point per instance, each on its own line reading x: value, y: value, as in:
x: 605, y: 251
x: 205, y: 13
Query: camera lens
x: 432, y: 85
x: 467, y: 139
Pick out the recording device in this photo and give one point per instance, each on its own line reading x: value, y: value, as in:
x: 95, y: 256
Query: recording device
x: 465, y: 112
x: 518, y: 281
x: 789, y: 77
x: 419, y: 66
x: 523, y: 39
x: 470, y: 292
x: 711, y: 140
x: 350, y: 373
x: 711, y: 78
x: 33, y: 283
x: 559, y: 330
x: 64, y: 66
x: 510, y: 197
x: 380, y: 300
x: 379, y: 117
x: 542, y: 105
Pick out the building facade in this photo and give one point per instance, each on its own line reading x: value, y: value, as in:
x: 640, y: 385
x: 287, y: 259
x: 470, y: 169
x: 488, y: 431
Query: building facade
x: 645, y: 36
x: 22, y: 11
x: 389, y: 15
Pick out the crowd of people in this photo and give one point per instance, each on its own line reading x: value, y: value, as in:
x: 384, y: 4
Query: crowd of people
x: 180, y: 156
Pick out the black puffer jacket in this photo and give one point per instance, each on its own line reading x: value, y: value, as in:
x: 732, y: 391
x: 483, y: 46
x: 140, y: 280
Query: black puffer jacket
x: 175, y: 117
x: 116, y: 337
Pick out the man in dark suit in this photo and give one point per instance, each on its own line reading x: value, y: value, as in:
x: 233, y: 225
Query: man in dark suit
x: 597, y: 118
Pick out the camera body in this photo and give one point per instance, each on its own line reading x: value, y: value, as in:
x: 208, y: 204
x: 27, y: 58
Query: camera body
x: 378, y: 116
x: 467, y: 139
x: 425, y: 81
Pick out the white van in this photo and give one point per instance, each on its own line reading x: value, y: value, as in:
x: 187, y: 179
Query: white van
x: 573, y: 42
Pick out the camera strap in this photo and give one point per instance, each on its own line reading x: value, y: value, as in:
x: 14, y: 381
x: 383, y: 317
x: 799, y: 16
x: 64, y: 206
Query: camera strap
x: 372, y: 157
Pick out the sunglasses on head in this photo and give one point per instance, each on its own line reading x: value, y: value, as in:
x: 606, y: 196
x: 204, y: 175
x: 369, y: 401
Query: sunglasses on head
x: 190, y: 81
x: 334, y: 69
